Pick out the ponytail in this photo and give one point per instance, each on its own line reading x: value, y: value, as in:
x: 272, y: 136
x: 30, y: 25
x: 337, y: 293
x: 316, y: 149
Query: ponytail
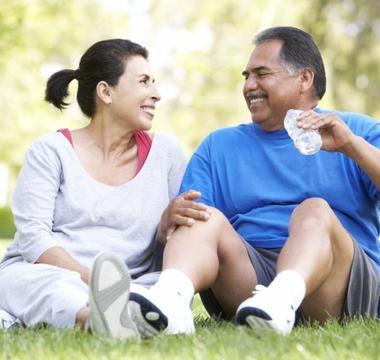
x: 103, y: 61
x: 57, y: 87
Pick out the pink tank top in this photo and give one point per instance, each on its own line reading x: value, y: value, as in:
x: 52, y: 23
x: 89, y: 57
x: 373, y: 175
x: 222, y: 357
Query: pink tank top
x: 143, y: 142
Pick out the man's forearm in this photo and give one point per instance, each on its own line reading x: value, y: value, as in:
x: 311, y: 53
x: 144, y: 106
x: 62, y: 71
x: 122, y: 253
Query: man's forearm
x: 367, y: 157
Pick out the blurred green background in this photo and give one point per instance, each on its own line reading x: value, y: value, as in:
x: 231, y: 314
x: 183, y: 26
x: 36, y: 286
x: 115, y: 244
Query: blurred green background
x: 198, y: 49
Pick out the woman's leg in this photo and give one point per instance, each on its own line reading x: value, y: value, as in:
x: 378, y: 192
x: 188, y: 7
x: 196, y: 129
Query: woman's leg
x: 40, y: 293
x: 81, y: 318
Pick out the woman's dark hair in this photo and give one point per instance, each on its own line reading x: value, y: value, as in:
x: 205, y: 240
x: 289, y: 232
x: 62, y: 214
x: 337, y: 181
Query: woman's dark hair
x: 103, y: 61
x: 298, y: 52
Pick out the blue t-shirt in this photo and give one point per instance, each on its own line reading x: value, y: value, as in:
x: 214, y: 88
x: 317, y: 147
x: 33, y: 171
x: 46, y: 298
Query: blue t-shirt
x: 257, y: 178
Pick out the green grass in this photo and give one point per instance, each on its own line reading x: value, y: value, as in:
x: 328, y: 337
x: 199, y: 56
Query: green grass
x: 359, y: 339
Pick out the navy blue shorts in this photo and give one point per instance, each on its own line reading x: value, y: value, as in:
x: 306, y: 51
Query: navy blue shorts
x: 363, y: 291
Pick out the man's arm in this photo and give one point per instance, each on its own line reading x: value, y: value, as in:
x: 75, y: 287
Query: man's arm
x: 337, y: 136
x: 367, y: 157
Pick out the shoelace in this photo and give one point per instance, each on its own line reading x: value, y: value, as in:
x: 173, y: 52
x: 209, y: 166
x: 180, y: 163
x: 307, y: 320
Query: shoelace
x: 258, y: 288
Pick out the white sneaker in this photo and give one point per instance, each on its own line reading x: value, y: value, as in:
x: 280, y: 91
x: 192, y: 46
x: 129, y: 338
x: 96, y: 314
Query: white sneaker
x: 108, y: 298
x: 266, y: 310
x: 8, y: 322
x: 154, y: 311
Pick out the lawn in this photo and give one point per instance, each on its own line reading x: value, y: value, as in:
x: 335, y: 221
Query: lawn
x: 359, y: 339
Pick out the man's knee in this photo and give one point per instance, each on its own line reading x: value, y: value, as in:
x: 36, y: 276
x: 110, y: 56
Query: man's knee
x: 202, y: 231
x: 216, y: 222
x: 315, y: 216
x: 313, y: 212
x: 314, y: 204
x: 230, y: 245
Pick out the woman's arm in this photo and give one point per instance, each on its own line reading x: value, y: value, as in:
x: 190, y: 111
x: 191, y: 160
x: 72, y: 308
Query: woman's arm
x: 34, y: 205
x: 57, y: 256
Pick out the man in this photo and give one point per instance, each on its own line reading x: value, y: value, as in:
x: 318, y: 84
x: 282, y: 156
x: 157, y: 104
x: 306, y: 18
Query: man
x: 304, y: 229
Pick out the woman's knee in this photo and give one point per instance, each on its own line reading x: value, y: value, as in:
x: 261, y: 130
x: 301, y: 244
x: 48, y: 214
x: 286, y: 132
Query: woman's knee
x: 58, y: 304
x: 47, y: 294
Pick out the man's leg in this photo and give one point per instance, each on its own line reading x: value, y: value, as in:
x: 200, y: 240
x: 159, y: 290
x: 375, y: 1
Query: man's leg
x: 315, y: 262
x: 213, y: 255
x: 321, y: 250
x: 207, y: 254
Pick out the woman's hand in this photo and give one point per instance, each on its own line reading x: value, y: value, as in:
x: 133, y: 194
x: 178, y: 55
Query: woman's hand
x: 182, y: 211
x: 59, y: 257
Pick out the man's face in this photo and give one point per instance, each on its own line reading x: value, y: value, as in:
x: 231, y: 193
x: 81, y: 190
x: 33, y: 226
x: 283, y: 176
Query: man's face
x: 269, y: 90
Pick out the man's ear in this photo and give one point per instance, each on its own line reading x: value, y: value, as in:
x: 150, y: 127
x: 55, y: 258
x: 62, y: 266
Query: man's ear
x: 103, y: 91
x: 306, y: 81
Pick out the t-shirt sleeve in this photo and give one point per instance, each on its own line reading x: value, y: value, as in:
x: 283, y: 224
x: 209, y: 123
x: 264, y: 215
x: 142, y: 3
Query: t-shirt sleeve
x: 34, y: 201
x: 198, y: 175
x: 373, y: 137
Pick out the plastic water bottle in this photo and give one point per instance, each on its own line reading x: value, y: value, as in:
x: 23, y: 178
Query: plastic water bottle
x: 307, y: 142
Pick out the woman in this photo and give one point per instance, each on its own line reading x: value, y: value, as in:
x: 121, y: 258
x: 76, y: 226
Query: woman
x: 100, y: 188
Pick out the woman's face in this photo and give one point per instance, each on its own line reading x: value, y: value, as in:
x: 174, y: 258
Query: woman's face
x: 134, y: 97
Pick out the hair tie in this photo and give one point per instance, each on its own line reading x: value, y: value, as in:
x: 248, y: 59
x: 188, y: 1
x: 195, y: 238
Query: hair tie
x: 76, y: 74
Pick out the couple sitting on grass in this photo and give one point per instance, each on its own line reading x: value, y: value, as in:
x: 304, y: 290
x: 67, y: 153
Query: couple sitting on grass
x: 268, y: 237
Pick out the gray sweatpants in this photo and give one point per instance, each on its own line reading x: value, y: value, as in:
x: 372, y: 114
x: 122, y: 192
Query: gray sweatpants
x: 363, y: 290
x: 41, y: 293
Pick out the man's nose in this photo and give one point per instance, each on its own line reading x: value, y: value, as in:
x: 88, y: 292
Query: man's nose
x: 251, y: 82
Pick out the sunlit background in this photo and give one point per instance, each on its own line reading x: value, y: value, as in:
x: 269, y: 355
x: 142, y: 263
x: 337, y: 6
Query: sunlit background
x: 198, y: 49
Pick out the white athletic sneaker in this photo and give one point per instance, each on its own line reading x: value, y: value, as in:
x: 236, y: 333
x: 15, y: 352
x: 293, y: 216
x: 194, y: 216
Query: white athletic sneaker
x: 108, y: 298
x: 8, y: 322
x: 154, y: 311
x: 266, y: 310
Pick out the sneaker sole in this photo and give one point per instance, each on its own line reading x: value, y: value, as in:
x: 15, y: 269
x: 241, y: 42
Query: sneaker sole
x: 123, y: 327
x: 257, y: 319
x: 253, y: 317
x: 149, y: 319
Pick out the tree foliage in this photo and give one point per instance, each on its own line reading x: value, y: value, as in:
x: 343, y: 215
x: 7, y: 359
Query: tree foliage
x: 198, y: 50
x: 348, y: 32
x: 37, y: 38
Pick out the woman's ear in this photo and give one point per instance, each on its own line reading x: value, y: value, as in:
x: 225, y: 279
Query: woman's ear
x: 103, y: 91
x: 306, y: 81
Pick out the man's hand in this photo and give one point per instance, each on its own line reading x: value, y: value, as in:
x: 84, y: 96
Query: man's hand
x: 182, y: 211
x: 336, y: 135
